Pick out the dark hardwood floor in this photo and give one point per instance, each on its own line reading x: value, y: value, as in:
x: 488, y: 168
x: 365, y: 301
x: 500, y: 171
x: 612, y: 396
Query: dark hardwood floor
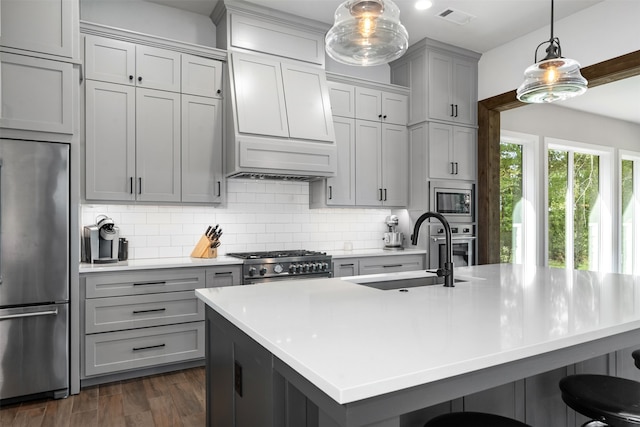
x: 165, y: 400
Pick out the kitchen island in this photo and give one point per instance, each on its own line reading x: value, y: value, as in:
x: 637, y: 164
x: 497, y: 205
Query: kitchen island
x: 329, y: 352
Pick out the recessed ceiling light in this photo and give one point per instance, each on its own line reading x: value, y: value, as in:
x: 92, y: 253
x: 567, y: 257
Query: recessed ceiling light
x: 423, y: 4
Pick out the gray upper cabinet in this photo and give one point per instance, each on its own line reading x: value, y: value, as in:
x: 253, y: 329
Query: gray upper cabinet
x: 382, y: 156
x: 48, y: 27
x: 201, y: 149
x: 342, y: 96
x: 201, y: 76
x: 452, y: 89
x: 452, y: 152
x: 122, y: 62
x: 341, y: 189
x: 132, y: 143
x: 443, y: 81
x: 381, y: 106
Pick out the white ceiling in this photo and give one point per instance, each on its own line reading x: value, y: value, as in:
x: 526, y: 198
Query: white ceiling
x: 495, y: 23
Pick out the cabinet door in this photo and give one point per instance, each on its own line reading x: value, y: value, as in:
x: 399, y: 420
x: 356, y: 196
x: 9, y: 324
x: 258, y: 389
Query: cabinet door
x: 345, y: 268
x: 307, y: 103
x: 157, y: 68
x: 157, y: 145
x: 395, y: 165
x: 201, y: 76
x: 224, y: 276
x: 464, y: 92
x: 342, y: 99
x: 341, y: 189
x: 440, y: 140
x: 440, y: 86
x: 109, y: 60
x: 464, y: 153
x: 368, y: 104
x: 110, y: 141
x: 368, y: 163
x: 395, y: 108
x: 201, y: 149
x: 39, y: 26
x: 37, y: 94
x: 259, y: 96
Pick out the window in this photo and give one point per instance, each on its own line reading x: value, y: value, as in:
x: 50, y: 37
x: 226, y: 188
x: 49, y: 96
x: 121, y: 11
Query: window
x: 517, y: 198
x: 579, y: 207
x: 629, y: 214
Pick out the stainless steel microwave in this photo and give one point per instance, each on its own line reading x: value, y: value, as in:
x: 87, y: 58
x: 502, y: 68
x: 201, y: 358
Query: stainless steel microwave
x: 454, y: 200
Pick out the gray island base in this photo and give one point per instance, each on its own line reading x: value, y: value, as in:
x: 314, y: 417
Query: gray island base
x: 329, y: 353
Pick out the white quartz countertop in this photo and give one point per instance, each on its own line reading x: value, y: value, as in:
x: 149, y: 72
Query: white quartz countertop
x: 355, y: 342
x: 146, y: 264
x: 362, y: 253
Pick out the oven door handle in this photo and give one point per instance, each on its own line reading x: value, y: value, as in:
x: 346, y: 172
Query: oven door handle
x: 442, y: 239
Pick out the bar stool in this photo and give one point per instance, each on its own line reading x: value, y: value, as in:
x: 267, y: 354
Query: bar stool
x: 605, y: 399
x: 473, y: 419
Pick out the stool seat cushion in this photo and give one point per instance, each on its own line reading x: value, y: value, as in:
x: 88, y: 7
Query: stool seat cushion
x: 473, y: 419
x: 612, y: 400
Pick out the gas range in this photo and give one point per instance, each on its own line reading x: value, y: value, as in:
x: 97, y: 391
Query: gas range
x: 259, y: 267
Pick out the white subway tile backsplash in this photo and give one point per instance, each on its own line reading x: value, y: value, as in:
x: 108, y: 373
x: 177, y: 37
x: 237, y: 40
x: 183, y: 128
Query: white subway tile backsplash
x: 257, y: 215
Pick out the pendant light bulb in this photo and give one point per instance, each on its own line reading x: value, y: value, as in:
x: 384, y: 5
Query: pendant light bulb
x: 366, y: 33
x: 552, y: 79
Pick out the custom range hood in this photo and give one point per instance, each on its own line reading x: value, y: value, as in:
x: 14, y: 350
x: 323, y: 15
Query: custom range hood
x: 279, y: 123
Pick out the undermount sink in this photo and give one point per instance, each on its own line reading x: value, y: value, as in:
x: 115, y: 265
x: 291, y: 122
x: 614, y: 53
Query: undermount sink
x: 404, y: 283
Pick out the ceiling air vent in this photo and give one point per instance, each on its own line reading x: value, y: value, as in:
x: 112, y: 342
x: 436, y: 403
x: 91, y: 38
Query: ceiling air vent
x: 455, y: 16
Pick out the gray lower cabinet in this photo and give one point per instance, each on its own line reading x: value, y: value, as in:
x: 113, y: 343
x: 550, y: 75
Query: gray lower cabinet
x: 344, y: 267
x: 142, y: 319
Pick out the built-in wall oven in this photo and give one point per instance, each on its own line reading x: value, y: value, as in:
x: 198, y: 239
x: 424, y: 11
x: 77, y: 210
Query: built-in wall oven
x: 463, y: 245
x: 454, y: 200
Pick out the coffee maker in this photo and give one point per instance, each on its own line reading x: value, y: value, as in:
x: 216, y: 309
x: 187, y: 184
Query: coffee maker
x: 392, y: 238
x: 100, y: 241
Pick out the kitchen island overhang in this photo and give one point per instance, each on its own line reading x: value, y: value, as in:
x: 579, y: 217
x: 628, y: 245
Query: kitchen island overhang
x: 364, y: 355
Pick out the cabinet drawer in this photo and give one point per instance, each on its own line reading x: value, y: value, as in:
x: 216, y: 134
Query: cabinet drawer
x: 391, y: 264
x: 143, y: 282
x: 129, y: 312
x: 139, y: 348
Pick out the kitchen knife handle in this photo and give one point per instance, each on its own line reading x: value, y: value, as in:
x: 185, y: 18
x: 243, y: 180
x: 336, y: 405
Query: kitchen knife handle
x: 149, y: 347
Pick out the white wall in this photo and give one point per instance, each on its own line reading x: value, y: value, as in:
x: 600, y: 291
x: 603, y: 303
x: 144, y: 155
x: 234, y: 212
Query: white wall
x: 603, y: 31
x: 549, y: 120
x: 259, y: 215
x: 151, y: 18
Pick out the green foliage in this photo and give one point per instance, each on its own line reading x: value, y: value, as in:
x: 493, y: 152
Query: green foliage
x: 510, y: 195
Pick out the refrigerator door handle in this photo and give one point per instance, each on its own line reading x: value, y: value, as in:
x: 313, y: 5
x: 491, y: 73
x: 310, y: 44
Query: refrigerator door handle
x: 33, y: 314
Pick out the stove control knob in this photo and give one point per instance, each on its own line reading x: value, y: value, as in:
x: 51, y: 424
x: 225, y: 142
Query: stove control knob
x: 305, y: 267
x: 278, y: 268
x: 316, y: 266
x: 324, y: 266
x: 252, y: 271
x: 263, y: 271
x: 292, y: 268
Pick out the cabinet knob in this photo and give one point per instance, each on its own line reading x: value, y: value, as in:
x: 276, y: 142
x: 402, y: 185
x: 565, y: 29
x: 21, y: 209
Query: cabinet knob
x: 139, y: 79
x: 218, y: 91
x: 130, y: 77
x: 384, y: 117
x: 379, y: 116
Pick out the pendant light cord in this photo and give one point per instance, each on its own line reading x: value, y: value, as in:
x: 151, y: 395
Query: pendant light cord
x: 551, y: 38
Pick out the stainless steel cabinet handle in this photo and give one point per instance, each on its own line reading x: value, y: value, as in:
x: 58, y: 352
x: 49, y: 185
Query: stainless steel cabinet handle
x: 150, y: 283
x: 442, y: 239
x: 149, y: 347
x: 38, y: 313
x: 154, y: 310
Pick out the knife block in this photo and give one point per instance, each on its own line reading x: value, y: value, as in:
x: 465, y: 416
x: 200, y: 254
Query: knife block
x: 203, y: 249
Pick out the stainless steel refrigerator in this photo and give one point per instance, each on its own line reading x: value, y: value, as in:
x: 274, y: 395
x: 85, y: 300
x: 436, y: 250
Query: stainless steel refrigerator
x: 34, y: 269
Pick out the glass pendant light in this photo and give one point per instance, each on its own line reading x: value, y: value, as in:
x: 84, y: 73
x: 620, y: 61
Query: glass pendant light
x: 552, y: 79
x: 366, y: 33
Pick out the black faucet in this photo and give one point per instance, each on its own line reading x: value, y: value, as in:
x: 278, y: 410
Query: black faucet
x: 447, y: 271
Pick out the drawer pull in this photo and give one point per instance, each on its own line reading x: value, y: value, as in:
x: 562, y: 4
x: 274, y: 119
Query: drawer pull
x: 155, y: 310
x: 149, y: 347
x: 392, y: 266
x: 224, y: 273
x: 150, y: 283
x: 346, y: 265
